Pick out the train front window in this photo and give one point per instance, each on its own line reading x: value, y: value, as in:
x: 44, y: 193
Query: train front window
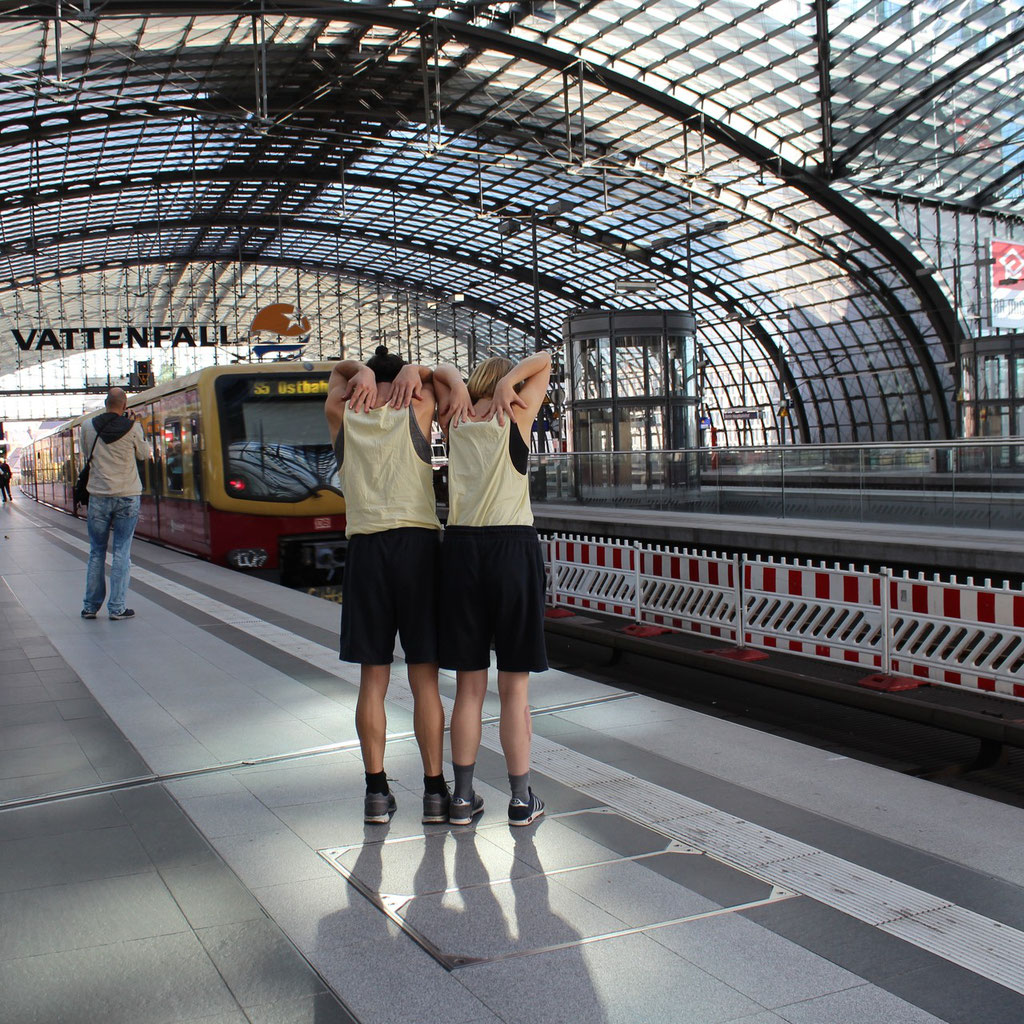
x: 276, y: 443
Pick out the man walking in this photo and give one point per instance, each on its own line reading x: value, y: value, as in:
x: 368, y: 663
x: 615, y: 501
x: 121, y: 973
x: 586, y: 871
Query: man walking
x: 113, y: 441
x: 5, y: 479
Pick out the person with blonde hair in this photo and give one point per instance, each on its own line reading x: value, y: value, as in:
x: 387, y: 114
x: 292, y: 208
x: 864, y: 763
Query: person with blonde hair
x: 492, y: 571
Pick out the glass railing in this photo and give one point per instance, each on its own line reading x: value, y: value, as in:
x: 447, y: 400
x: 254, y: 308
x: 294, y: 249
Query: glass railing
x: 956, y: 483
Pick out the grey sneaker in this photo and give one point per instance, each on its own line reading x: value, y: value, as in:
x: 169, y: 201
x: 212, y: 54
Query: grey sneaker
x: 126, y: 614
x: 435, y: 807
x: 378, y: 808
x: 462, y: 812
x: 520, y: 813
x: 88, y: 615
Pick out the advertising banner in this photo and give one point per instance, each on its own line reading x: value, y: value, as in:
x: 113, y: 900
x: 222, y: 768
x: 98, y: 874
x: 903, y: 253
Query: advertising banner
x: 1007, y: 284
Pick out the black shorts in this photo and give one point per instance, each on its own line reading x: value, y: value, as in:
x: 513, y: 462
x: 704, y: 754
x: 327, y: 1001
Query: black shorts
x: 492, y: 589
x: 390, y: 587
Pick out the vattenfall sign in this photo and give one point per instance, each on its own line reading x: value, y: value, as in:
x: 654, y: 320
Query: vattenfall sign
x: 203, y: 336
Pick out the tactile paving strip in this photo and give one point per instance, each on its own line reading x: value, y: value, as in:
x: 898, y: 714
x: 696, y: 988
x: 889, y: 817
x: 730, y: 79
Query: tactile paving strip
x: 979, y: 944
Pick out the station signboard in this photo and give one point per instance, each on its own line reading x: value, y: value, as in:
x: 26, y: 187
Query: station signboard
x: 742, y: 413
x: 1007, y: 284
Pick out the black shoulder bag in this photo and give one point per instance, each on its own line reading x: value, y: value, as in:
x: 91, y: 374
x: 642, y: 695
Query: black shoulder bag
x: 81, y: 491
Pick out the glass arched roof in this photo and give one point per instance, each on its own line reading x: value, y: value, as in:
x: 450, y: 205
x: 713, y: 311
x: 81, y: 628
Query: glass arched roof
x: 454, y: 179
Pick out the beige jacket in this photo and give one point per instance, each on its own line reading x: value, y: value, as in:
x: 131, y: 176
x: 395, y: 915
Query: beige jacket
x: 113, y: 472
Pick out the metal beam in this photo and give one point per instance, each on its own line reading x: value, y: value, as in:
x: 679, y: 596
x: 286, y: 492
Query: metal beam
x: 824, y: 85
x: 937, y: 88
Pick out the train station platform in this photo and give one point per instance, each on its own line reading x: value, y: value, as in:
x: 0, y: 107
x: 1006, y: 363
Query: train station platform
x: 181, y: 840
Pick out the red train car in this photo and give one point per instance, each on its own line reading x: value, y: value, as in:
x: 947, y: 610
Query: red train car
x: 242, y: 471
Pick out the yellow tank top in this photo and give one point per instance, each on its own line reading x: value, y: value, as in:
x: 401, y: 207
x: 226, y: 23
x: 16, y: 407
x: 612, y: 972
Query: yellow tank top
x: 386, y: 482
x: 484, y: 488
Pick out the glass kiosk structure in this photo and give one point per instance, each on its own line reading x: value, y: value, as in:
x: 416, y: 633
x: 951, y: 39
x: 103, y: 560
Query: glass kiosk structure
x: 633, y: 387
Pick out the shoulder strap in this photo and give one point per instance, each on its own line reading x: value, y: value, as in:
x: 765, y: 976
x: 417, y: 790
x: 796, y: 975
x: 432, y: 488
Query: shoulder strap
x: 94, y: 443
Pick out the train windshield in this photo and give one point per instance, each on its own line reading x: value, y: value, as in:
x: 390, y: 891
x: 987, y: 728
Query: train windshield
x: 276, y: 443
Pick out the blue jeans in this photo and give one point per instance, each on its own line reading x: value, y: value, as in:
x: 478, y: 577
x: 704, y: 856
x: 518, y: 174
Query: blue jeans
x: 105, y: 515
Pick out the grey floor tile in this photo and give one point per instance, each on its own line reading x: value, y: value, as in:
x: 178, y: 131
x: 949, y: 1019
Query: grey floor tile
x: 229, y: 814
x: 209, y: 894
x: 615, y: 832
x: 322, y: 1008
x: 957, y: 995
x: 145, y: 805
x: 175, y: 844
x: 755, y: 961
x: 270, y: 858
x: 34, y: 734
x: 634, y: 894
x: 51, y: 860
x: 83, y: 813
x: 853, y: 945
x: 147, y: 981
x: 63, y: 917
x: 86, y: 707
x: 30, y: 786
x: 617, y: 981
x: 527, y: 913
x: 28, y: 714
x: 258, y: 963
x: 724, y: 885
x: 863, y: 1003
x: 49, y: 758
x: 300, y: 784
x: 418, y: 990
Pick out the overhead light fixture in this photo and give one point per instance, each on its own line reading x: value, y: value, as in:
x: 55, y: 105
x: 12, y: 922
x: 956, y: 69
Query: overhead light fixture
x: 629, y: 284
x: 459, y: 297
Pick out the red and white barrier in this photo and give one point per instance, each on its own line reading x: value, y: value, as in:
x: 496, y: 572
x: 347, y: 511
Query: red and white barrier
x: 940, y: 631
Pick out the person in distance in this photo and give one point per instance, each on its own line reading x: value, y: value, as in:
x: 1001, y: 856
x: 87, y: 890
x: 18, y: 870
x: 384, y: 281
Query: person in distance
x: 492, y: 571
x: 379, y: 417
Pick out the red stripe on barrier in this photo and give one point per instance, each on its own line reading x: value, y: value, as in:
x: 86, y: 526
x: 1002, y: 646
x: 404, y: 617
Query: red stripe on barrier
x: 986, y: 607
x: 1018, y: 611
x: 1018, y: 690
x: 616, y: 558
x: 952, y: 677
x: 796, y: 583
x: 822, y: 651
x: 919, y: 598
x: 822, y: 585
x: 921, y: 670
x: 850, y: 656
x: 851, y: 589
x: 656, y: 565
x: 770, y: 641
x: 713, y: 573
x: 694, y: 567
x: 768, y: 579
x: 951, y: 602
x: 988, y: 685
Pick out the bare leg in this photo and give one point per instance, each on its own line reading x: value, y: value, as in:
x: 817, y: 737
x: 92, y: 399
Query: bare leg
x: 516, y: 729
x: 427, y: 716
x: 371, y: 718
x: 466, y: 715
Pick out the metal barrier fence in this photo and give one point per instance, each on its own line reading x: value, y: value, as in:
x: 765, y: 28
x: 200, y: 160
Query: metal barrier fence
x: 937, y: 630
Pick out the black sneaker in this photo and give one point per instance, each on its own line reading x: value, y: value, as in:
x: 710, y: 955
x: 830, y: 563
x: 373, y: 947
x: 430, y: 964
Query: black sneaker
x: 126, y: 614
x: 378, y: 808
x: 435, y: 807
x: 462, y: 812
x: 88, y: 615
x: 523, y: 814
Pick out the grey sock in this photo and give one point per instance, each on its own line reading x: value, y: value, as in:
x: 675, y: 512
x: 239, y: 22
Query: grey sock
x: 520, y: 787
x: 463, y: 781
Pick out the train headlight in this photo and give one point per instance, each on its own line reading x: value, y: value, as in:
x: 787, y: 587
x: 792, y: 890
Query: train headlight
x: 237, y: 485
x: 248, y: 558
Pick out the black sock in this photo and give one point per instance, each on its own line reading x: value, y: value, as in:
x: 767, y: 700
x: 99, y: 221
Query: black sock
x: 434, y: 784
x: 377, y: 782
x: 520, y: 787
x: 463, y: 781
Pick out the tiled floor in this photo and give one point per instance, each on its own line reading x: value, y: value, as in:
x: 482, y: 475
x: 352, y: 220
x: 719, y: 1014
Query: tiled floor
x: 221, y: 896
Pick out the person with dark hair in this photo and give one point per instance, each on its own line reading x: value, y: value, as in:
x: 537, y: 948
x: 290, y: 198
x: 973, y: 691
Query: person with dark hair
x: 5, y: 480
x: 492, y: 572
x: 380, y: 416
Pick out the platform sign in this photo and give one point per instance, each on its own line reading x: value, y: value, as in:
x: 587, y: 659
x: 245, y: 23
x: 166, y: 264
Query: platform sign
x: 705, y: 422
x: 742, y: 414
x: 1007, y: 284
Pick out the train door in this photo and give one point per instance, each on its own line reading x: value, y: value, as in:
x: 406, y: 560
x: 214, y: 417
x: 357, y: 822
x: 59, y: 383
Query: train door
x: 192, y: 428
x: 149, y: 511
